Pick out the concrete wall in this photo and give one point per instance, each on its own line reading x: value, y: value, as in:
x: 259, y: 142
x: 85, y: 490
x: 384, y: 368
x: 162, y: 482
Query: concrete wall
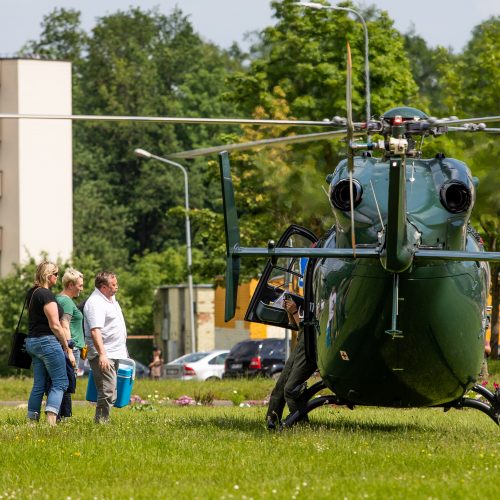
x: 204, y: 318
x: 36, y: 204
x: 172, y: 325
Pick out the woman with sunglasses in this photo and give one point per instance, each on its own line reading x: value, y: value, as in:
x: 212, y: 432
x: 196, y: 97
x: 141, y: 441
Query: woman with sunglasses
x: 46, y: 344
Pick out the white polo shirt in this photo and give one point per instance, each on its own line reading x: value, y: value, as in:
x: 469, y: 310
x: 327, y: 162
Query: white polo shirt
x: 105, y: 314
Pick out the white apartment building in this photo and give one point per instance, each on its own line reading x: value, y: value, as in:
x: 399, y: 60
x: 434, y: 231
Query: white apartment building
x: 36, y: 199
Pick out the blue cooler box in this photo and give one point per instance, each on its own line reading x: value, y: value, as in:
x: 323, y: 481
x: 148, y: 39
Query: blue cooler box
x: 125, y: 382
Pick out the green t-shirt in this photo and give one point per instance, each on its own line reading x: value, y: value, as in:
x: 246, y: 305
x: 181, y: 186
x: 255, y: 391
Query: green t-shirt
x: 75, y: 325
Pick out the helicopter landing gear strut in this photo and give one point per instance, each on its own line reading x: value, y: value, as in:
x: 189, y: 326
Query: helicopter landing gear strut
x: 491, y: 406
x: 312, y: 404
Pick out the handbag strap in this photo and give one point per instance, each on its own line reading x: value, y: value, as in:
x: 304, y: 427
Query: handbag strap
x: 24, y: 305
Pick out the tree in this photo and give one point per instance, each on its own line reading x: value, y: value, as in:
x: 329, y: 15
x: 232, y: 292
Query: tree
x: 479, y: 97
x: 61, y: 37
x: 481, y: 70
x: 433, y: 70
x: 162, y: 68
x: 299, y: 71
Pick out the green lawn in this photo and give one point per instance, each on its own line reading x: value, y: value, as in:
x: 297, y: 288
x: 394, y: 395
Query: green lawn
x: 162, y: 450
x: 18, y: 388
x: 214, y: 452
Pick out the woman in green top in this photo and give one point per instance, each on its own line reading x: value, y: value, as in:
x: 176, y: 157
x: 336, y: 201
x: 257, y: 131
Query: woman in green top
x: 72, y: 322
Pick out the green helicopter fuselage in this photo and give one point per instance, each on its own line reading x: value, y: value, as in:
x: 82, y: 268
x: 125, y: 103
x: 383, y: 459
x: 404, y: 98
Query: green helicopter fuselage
x: 399, y: 331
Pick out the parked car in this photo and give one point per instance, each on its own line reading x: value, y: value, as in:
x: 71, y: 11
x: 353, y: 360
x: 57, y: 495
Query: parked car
x: 197, y: 366
x: 265, y: 357
x: 141, y: 370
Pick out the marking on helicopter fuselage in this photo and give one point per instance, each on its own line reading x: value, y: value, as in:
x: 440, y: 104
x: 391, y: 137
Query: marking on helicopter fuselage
x: 344, y: 355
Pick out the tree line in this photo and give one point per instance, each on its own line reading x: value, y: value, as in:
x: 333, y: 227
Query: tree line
x: 128, y: 213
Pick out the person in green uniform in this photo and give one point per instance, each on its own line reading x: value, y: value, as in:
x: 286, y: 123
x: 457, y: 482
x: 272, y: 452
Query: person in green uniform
x: 292, y: 382
x: 72, y: 322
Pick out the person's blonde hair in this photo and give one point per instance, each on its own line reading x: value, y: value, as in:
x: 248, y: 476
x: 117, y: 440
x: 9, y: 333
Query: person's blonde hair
x: 71, y: 276
x: 43, y: 272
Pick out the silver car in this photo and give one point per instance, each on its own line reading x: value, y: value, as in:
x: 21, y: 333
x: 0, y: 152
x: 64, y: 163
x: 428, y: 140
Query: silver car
x: 197, y: 366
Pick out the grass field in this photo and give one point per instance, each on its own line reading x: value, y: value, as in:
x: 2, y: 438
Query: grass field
x: 168, y: 451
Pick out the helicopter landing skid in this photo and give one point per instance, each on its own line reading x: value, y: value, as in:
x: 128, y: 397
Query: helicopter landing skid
x: 491, y: 406
x: 312, y: 404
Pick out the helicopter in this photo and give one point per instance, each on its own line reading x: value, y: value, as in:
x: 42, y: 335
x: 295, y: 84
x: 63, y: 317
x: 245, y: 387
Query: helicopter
x: 394, y: 294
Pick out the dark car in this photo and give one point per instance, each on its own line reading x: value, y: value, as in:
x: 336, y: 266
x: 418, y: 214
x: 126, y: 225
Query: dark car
x: 265, y: 357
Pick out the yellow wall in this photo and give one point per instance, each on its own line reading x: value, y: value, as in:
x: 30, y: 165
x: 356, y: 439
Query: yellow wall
x: 245, y: 292
x: 489, y: 311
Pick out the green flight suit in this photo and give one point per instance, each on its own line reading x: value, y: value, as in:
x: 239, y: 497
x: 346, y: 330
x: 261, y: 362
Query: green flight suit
x: 292, y: 382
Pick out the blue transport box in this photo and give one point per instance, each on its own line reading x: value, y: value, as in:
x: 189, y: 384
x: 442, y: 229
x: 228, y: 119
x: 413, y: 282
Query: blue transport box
x: 125, y: 383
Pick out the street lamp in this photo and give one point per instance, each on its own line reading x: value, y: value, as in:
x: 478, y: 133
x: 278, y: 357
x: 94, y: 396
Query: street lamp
x: 141, y: 153
x: 319, y: 6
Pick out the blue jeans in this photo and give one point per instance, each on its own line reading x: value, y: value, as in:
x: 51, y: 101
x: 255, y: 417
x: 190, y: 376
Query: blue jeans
x: 48, y: 362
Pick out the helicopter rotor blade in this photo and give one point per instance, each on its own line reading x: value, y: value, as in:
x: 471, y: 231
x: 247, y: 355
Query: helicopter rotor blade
x: 348, y: 98
x: 169, y: 119
x: 193, y: 153
x: 350, y: 137
x: 474, y: 129
x: 458, y: 121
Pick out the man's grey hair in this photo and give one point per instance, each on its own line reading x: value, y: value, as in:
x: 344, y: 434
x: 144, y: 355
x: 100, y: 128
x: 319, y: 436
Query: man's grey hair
x: 103, y: 278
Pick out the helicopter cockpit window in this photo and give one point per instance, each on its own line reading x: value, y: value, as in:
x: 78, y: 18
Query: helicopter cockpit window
x: 287, y: 274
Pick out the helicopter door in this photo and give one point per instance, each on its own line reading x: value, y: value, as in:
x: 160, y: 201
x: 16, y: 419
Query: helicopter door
x: 284, y: 275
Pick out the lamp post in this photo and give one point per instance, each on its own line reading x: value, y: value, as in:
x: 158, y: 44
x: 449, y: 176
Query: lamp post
x: 141, y: 153
x: 319, y: 6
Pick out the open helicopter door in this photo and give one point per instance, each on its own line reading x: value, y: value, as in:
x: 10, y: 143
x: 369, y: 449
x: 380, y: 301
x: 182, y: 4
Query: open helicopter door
x: 281, y: 276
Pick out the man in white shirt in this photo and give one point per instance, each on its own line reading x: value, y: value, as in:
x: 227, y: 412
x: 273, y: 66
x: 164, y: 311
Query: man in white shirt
x: 106, y: 336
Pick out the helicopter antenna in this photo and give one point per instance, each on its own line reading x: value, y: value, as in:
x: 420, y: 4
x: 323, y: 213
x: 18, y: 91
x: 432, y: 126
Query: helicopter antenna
x: 350, y: 150
x: 378, y: 208
x: 421, y: 146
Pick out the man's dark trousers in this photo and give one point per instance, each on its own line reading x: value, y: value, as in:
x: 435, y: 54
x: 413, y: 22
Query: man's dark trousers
x: 290, y: 386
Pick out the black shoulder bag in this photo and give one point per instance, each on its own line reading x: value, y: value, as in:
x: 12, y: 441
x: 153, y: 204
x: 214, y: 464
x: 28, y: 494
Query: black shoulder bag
x: 18, y: 357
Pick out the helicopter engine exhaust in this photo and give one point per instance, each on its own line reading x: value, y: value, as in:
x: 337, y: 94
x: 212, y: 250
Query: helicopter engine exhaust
x: 455, y: 196
x: 340, y: 195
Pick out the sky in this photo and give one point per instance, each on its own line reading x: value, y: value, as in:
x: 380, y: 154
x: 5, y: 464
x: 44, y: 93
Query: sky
x: 439, y: 22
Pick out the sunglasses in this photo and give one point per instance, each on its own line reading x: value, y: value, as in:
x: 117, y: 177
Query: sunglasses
x: 55, y: 274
